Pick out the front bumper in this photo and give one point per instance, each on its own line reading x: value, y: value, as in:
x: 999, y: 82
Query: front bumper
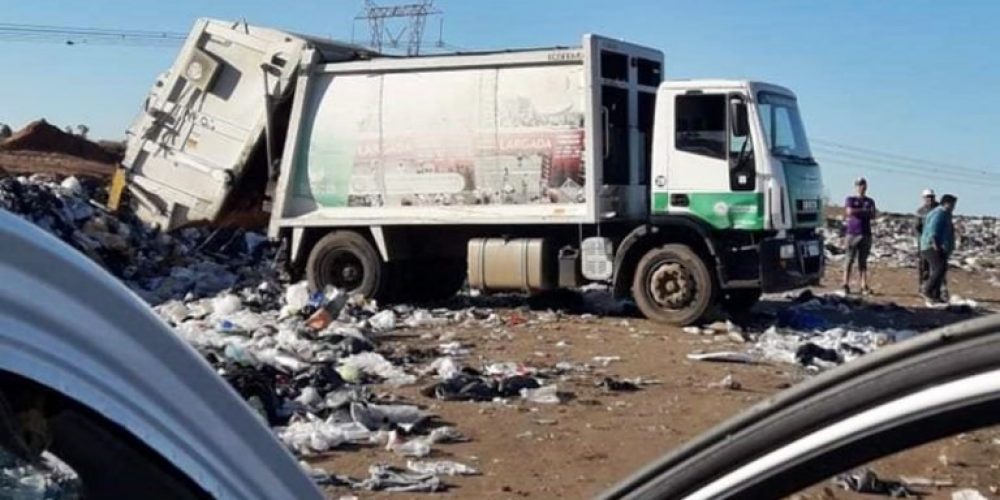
x: 787, y: 263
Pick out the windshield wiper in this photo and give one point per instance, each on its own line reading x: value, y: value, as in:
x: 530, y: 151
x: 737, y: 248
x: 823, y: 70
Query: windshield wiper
x: 802, y: 158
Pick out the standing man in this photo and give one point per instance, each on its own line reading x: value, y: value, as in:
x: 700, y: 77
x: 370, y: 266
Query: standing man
x: 860, y: 210
x: 936, y: 244
x: 930, y: 203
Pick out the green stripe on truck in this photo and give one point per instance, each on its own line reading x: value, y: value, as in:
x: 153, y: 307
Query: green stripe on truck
x: 720, y: 210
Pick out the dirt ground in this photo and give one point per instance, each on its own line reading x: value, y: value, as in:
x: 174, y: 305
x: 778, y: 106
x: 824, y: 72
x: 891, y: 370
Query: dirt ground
x: 579, y: 448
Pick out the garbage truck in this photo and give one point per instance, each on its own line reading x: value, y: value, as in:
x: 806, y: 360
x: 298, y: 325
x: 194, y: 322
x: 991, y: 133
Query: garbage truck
x: 404, y: 178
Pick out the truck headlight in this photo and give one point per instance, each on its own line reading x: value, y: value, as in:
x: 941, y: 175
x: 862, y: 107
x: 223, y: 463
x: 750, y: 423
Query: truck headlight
x: 194, y: 71
x: 787, y: 251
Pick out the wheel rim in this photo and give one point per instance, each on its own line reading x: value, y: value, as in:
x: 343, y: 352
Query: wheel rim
x: 671, y: 286
x: 343, y: 269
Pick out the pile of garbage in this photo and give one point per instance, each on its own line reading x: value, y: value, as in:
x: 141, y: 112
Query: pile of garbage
x: 818, y: 332
x: 193, y: 262
x: 894, y: 242
x: 49, y: 478
x: 309, y: 364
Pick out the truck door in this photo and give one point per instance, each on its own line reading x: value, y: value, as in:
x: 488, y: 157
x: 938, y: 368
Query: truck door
x: 709, y: 168
x: 623, y: 99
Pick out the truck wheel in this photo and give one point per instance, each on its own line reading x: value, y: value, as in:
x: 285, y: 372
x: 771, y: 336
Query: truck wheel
x: 347, y: 261
x: 673, y: 285
x: 740, y: 300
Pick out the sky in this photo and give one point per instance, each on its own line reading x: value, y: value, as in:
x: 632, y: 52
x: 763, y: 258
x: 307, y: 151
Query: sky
x: 913, y: 78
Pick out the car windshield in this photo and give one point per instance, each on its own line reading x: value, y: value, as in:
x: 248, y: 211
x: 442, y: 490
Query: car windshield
x: 786, y: 137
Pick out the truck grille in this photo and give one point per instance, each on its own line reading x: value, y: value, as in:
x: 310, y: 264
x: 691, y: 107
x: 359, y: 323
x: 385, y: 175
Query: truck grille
x: 807, y: 217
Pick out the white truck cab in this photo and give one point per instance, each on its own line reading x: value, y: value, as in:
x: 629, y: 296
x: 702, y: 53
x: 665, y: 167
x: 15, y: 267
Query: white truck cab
x: 735, y: 154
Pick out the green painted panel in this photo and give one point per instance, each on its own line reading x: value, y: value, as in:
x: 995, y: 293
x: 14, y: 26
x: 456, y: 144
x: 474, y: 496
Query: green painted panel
x: 720, y: 210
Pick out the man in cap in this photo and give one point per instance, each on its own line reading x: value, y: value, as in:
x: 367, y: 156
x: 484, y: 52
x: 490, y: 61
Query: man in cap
x: 930, y: 203
x: 937, y: 242
x: 860, y: 210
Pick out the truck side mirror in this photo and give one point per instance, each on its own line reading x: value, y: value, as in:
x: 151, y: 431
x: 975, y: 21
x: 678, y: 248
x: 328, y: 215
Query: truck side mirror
x: 738, y: 117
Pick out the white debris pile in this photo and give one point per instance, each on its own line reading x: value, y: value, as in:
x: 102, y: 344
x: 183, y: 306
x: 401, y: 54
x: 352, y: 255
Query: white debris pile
x: 50, y: 478
x: 819, y: 349
x: 819, y: 331
x: 894, y: 242
x: 158, y: 266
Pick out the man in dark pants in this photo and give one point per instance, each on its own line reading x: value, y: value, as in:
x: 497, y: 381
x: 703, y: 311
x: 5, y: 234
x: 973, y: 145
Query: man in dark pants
x: 936, y: 244
x: 930, y: 203
x: 860, y: 211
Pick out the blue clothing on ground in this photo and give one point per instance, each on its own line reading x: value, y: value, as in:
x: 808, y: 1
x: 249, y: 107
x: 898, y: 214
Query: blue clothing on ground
x: 938, y: 227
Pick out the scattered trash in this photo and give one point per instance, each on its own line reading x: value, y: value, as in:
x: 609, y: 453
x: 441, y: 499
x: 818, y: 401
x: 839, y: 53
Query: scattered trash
x: 611, y: 384
x: 606, y: 360
x: 821, y: 349
x: 441, y: 468
x: 469, y: 385
x: 48, y: 478
x: 923, y: 482
x: 417, y: 447
x: 372, y: 363
x: 309, y: 437
x: 384, y: 321
x: 445, y: 435
x: 866, y: 481
x: 297, y: 296
x: 727, y: 382
x: 383, y: 477
x: 967, y: 494
x: 375, y: 417
x: 723, y: 357
x: 808, y: 352
x: 543, y: 395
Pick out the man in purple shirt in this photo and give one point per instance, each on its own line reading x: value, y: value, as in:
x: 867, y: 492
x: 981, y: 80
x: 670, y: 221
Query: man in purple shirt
x: 860, y: 211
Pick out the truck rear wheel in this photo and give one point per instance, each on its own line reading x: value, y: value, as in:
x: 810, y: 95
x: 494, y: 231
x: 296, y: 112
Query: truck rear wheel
x: 346, y: 260
x: 673, y: 285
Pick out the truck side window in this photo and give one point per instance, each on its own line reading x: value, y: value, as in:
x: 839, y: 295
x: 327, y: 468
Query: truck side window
x: 701, y: 124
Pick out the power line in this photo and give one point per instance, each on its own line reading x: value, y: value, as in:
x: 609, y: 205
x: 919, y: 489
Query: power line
x: 901, y: 158
x: 883, y: 168
x: 902, y: 166
x: 75, y: 35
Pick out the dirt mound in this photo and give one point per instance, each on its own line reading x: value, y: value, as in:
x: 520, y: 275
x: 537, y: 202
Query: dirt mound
x: 40, y: 136
x: 58, y: 164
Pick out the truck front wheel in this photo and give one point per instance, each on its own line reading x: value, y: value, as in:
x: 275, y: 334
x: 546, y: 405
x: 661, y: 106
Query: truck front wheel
x: 346, y: 260
x: 673, y: 285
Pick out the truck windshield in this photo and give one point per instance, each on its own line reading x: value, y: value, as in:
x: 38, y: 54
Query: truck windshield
x: 783, y: 127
